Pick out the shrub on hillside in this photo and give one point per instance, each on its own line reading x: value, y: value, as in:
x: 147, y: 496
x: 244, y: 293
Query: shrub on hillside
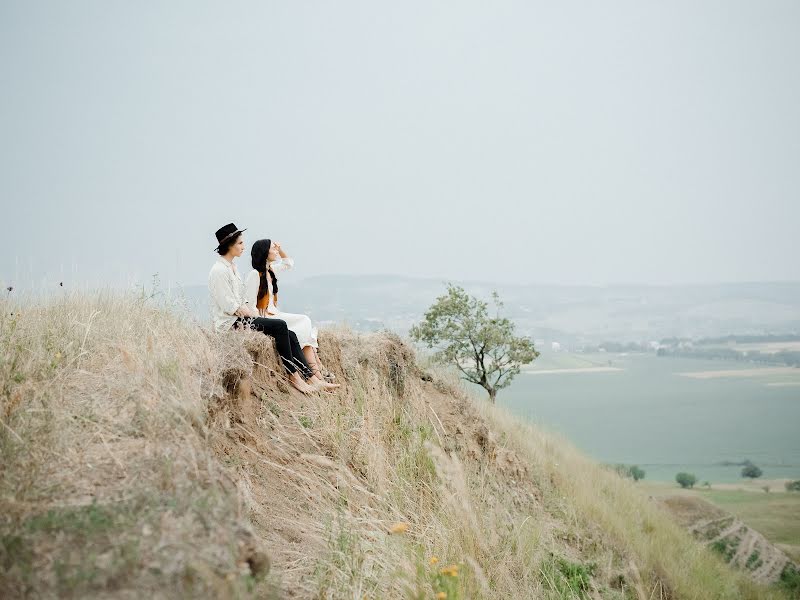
x: 686, y: 480
x: 619, y: 469
x: 634, y: 472
x: 790, y: 578
x: 568, y: 579
x: 793, y: 486
x: 637, y: 472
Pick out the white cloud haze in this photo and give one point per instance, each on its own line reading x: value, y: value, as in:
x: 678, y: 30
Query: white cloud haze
x: 569, y: 142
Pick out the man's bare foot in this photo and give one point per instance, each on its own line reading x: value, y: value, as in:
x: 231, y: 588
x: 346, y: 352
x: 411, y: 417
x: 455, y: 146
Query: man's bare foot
x: 301, y: 386
x: 321, y: 384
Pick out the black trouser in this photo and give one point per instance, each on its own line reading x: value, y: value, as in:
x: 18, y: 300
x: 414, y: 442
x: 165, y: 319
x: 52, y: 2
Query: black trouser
x: 285, y: 342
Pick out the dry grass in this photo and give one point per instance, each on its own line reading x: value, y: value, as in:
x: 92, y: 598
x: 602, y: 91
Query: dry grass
x: 108, y: 483
x: 144, y: 456
x: 670, y: 563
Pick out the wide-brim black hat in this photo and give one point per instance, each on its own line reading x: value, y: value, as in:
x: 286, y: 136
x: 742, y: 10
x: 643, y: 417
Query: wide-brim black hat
x: 226, y: 232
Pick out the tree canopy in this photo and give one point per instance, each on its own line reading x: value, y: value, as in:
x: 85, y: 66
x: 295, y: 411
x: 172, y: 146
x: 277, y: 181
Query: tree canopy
x: 752, y: 471
x: 686, y: 480
x: 481, y: 346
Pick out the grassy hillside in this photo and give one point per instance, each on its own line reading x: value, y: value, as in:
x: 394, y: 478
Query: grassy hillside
x: 145, y: 456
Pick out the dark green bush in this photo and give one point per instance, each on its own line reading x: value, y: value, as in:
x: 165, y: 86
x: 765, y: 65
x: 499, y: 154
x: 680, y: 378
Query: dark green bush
x: 751, y: 471
x: 790, y: 579
x: 632, y: 471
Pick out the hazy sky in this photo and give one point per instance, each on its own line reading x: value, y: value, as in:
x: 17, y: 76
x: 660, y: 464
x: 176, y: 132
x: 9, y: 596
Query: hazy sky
x: 552, y: 142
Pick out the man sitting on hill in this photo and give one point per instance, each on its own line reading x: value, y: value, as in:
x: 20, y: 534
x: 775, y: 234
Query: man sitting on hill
x: 230, y: 311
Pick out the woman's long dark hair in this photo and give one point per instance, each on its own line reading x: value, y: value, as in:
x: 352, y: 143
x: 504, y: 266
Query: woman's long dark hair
x: 258, y: 254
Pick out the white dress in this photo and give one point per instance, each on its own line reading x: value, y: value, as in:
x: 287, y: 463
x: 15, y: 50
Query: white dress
x: 301, y: 324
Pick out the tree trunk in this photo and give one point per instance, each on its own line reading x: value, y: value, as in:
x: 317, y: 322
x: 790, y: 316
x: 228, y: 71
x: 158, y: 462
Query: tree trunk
x: 492, y: 394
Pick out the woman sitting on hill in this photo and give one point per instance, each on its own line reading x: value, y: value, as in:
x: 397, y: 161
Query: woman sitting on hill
x: 261, y: 293
x: 230, y: 311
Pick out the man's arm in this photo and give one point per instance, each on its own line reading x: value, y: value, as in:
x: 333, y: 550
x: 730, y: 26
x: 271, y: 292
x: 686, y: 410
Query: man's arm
x: 224, y: 297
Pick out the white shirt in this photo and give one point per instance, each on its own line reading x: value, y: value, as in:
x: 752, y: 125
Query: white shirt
x: 227, y: 293
x: 253, y: 280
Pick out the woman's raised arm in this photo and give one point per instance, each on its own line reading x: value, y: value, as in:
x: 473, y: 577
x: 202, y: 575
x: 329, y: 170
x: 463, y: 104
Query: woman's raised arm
x: 284, y: 263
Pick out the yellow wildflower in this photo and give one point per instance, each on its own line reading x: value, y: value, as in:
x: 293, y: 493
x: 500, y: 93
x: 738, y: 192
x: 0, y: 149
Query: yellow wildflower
x: 434, y: 560
x: 441, y: 595
x: 451, y: 571
x: 399, y: 528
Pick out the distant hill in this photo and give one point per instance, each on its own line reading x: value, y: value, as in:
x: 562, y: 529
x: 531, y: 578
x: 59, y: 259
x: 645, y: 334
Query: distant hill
x: 571, y: 315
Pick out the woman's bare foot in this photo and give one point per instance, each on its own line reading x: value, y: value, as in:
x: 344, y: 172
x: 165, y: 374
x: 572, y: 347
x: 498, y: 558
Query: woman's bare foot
x: 301, y: 386
x: 312, y: 358
x: 321, y: 384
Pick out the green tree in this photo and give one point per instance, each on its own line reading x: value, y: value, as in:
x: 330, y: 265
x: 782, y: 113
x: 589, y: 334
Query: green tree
x: 637, y: 472
x: 621, y: 469
x: 482, y: 347
x: 793, y: 486
x: 634, y: 472
x: 751, y: 471
x: 686, y: 480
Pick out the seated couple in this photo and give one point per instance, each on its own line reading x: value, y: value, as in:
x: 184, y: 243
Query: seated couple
x: 254, y: 305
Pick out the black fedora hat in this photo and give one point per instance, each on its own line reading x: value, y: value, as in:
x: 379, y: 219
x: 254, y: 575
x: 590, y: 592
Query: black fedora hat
x: 226, y: 232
